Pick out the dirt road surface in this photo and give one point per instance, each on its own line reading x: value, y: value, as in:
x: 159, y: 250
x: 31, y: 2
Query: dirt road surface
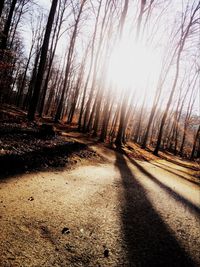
x: 120, y: 212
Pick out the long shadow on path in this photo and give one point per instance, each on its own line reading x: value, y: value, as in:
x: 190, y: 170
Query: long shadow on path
x: 162, y: 166
x: 176, y: 196
x: 148, y: 240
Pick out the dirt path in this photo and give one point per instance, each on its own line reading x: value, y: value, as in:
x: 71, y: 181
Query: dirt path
x: 118, y: 213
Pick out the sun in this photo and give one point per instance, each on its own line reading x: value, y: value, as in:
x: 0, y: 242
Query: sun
x: 135, y: 66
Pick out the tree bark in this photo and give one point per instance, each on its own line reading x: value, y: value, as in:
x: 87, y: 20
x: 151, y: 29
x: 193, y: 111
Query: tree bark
x: 6, y: 30
x: 197, y: 137
x: 43, y: 57
x: 1, y: 6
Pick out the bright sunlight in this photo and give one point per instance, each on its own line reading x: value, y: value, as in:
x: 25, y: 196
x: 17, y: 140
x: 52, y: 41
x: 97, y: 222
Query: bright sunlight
x: 134, y: 66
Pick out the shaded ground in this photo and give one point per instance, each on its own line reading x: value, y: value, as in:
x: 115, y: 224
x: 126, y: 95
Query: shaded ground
x: 108, y: 210
x: 25, y: 153
x: 27, y: 147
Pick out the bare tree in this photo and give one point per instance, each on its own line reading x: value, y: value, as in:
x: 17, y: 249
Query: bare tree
x: 69, y: 62
x: 184, y: 34
x: 44, y: 50
x: 196, y: 145
x: 4, y: 38
x: 1, y: 6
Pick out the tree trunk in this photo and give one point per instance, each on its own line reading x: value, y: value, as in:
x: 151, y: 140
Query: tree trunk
x: 197, y: 137
x: 104, y: 26
x: 139, y: 122
x: 28, y: 97
x: 16, y: 23
x: 90, y: 68
x: 43, y: 57
x: 1, y: 6
x: 68, y: 65
x: 21, y: 89
x: 54, y: 43
x: 119, y: 138
x: 6, y: 30
x: 106, y: 117
x: 184, y: 35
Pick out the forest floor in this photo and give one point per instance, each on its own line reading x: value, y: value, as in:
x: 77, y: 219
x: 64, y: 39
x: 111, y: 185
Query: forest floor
x: 67, y: 200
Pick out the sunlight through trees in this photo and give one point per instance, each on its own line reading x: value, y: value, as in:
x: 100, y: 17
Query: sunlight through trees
x: 118, y: 70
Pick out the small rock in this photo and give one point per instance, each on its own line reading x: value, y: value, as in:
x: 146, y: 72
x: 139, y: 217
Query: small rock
x: 106, y: 253
x: 30, y: 198
x: 70, y: 248
x: 65, y: 231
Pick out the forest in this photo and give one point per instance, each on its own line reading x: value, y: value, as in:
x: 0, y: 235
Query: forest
x: 118, y: 70
x: 105, y: 95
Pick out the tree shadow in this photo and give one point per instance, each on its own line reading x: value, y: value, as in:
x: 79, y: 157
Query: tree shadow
x: 148, y: 240
x: 176, y: 160
x: 39, y: 159
x: 173, y: 166
x: 193, y: 208
x: 164, y: 167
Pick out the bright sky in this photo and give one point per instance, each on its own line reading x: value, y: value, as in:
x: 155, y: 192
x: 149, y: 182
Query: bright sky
x: 137, y: 61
